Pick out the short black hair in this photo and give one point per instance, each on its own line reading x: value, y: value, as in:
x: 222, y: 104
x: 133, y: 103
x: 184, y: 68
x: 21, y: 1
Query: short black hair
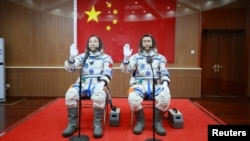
x: 153, y: 41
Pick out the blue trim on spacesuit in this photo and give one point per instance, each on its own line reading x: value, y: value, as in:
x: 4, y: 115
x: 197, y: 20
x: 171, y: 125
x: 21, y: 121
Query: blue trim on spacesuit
x: 149, y: 91
x: 88, y: 91
x: 139, y: 91
x: 148, y: 95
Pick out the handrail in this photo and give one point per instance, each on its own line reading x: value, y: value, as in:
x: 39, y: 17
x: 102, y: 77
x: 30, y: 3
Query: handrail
x: 61, y: 67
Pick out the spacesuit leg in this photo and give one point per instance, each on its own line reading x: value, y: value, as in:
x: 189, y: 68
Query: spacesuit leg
x: 71, y: 99
x: 99, y: 100
x: 135, y: 102
x: 162, y: 104
x: 99, y: 103
x: 163, y: 100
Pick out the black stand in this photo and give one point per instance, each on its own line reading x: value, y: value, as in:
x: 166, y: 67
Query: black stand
x: 113, y: 108
x: 80, y: 137
x: 149, y: 60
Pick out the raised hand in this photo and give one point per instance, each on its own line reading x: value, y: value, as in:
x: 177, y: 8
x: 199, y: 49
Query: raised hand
x: 126, y: 50
x: 73, y: 51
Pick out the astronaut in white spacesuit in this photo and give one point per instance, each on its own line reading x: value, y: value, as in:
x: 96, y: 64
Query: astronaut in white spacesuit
x: 96, y: 74
x: 139, y: 65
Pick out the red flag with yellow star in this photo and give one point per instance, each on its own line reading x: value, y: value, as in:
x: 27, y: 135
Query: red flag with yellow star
x: 118, y: 22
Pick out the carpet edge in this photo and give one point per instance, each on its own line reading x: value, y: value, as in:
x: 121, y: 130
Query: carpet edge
x: 3, y: 132
x: 208, y: 113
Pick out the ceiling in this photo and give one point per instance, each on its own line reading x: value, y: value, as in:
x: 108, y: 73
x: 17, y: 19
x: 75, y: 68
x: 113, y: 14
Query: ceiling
x: 61, y: 7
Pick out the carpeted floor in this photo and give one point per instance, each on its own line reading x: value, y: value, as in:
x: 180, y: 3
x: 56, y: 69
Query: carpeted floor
x: 48, y: 122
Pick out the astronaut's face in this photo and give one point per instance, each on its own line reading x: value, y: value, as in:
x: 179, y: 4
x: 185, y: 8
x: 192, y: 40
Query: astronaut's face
x: 93, y: 44
x: 147, y: 43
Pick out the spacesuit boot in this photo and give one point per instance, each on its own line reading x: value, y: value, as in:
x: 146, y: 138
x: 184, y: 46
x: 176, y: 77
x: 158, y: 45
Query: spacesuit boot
x: 98, y: 116
x: 72, y: 122
x: 158, y: 123
x: 139, y: 115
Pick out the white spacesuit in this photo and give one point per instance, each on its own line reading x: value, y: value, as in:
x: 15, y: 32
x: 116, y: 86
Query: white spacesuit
x: 97, y: 68
x: 96, y: 74
x: 141, y: 81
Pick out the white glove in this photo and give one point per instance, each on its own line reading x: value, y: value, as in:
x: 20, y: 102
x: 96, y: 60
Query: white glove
x: 73, y: 51
x: 127, y: 52
x: 164, y: 86
x: 99, y: 87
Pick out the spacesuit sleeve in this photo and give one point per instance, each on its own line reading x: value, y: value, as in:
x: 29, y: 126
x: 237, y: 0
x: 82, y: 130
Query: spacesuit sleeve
x: 165, y: 76
x: 71, y: 66
x: 107, y: 70
x: 129, y: 66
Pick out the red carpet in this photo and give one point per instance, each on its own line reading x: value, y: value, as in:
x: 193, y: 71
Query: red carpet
x: 48, y: 123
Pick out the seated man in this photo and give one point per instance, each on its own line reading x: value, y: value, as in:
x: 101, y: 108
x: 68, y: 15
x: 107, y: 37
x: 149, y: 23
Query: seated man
x: 96, y: 74
x: 141, y: 82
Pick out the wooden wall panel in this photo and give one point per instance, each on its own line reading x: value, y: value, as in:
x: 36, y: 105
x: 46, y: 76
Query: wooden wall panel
x: 38, y: 82
x: 119, y: 84
x: 187, y: 39
x: 53, y: 82
x: 185, y: 82
x: 224, y: 18
x: 33, y: 37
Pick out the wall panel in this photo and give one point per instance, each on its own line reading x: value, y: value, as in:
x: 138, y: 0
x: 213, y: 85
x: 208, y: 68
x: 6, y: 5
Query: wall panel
x: 224, y: 18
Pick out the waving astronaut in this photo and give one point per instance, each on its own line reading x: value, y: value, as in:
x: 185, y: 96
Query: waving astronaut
x: 141, y: 82
x: 96, y: 74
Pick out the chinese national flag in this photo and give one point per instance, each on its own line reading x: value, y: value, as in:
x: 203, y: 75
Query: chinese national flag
x: 118, y: 22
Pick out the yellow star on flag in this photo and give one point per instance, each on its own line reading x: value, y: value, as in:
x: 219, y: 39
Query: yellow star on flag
x: 109, y: 4
x: 93, y: 14
x: 108, y: 27
x: 115, y: 21
x: 115, y: 11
